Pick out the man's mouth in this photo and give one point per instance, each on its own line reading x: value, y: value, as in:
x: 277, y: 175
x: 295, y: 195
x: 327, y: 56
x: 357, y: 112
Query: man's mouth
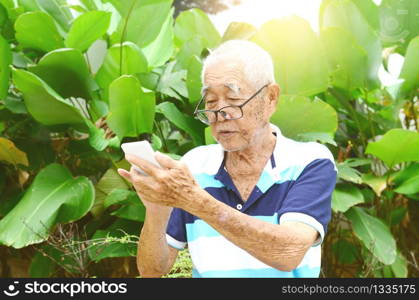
x: 225, y: 133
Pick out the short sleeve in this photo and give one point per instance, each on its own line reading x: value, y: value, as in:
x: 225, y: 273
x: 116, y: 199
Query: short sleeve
x: 309, y: 200
x: 176, y: 231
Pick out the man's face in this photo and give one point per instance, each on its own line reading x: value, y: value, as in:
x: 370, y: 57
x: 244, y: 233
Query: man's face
x: 225, y: 84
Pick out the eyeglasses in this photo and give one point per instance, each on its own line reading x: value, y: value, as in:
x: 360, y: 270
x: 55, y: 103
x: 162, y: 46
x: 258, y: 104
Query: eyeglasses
x: 230, y: 112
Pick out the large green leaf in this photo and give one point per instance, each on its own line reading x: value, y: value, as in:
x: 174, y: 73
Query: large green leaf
x: 43, y: 103
x: 172, y: 83
x: 87, y: 28
x: 239, y: 31
x: 5, y: 61
x: 131, y: 110
x: 347, y: 60
x: 298, y: 114
x: 345, y: 14
x: 407, y: 180
x: 374, y: 234
x: 37, y: 30
x: 142, y: 21
x: 399, y: 267
x: 110, y: 180
x: 190, y: 48
x: 59, y: 10
x: 300, y: 62
x: 54, y: 197
x: 66, y: 72
x: 192, y: 126
x: 193, y: 79
x: 120, y: 59
x: 11, y: 154
x: 193, y: 23
x: 410, y: 69
x: 161, y: 49
x: 399, y: 21
x: 345, y: 196
x: 396, y: 146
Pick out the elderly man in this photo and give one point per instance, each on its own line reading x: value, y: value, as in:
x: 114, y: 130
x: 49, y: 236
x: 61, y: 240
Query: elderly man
x: 256, y: 204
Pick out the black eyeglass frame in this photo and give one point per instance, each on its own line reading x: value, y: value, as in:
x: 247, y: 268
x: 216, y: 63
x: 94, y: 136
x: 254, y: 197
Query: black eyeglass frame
x: 220, y: 110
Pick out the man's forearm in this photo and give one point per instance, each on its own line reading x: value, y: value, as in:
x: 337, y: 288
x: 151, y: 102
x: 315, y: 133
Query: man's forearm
x: 278, y: 246
x: 153, y: 250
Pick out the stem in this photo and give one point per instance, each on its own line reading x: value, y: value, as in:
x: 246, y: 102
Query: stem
x: 124, y: 31
x: 166, y: 149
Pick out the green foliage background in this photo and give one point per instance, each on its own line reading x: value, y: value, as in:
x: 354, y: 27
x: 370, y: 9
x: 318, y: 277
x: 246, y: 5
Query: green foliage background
x: 78, y: 80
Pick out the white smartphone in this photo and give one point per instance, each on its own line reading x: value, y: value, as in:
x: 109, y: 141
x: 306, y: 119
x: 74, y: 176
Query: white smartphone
x: 141, y: 149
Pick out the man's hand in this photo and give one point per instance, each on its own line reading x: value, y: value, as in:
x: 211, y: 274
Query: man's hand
x: 169, y: 186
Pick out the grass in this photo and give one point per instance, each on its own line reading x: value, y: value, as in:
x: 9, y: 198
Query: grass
x: 182, y: 267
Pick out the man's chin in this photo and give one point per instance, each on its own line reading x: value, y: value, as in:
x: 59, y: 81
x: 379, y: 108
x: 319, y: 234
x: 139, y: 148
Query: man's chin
x: 231, y: 147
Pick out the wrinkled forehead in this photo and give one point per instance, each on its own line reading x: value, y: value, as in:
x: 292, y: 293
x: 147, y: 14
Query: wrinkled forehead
x: 232, y: 87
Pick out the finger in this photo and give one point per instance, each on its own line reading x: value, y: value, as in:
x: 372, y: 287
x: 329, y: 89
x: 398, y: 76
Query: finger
x: 140, y: 179
x: 165, y: 161
x: 144, y: 165
x: 125, y: 174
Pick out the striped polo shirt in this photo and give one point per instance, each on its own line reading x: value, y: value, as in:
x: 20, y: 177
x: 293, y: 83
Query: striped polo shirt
x: 295, y: 185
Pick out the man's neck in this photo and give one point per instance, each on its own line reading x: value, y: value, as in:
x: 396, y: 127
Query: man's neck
x: 250, y: 160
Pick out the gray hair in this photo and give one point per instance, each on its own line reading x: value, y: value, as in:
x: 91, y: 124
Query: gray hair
x: 257, y: 63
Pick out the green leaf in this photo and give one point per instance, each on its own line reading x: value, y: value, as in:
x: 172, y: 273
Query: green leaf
x: 399, y: 21
x: 299, y: 60
x: 190, y: 48
x: 66, y: 72
x: 120, y: 59
x: 131, y: 110
x: 37, y: 30
x: 172, y: 83
x: 58, y: 10
x: 239, y: 31
x: 118, y: 240
x: 374, y: 234
x: 209, y: 139
x: 407, y: 180
x: 41, y: 266
x: 38, y: 96
x: 120, y: 196
x: 348, y: 173
x: 156, y: 142
x: 370, y: 12
x: 160, y: 50
x: 410, y: 69
x: 134, y: 212
x: 399, y: 267
x: 53, y: 197
x: 396, y: 146
x: 87, y: 28
x: 345, y: 251
x: 192, y: 23
x: 193, y: 127
x: 298, y: 115
x: 5, y: 61
x: 11, y: 154
x: 321, y: 137
x: 193, y: 80
x: 345, y: 196
x: 397, y: 215
x: 110, y: 180
x: 142, y: 21
x: 347, y: 60
x: 344, y: 14
x: 377, y: 183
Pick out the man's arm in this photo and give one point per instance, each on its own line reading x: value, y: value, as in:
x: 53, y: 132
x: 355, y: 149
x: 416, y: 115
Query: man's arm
x: 155, y: 257
x: 280, y: 246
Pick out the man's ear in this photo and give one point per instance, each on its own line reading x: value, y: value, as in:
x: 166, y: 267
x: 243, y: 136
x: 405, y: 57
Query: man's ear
x: 273, y: 94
